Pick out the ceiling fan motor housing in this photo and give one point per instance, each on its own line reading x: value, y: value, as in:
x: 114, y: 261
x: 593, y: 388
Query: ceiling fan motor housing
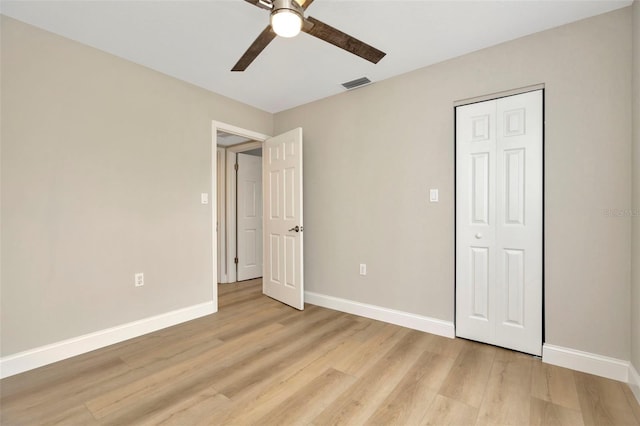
x: 287, y: 6
x: 286, y: 18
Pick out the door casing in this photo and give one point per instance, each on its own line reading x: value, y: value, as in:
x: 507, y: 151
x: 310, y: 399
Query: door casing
x: 257, y: 140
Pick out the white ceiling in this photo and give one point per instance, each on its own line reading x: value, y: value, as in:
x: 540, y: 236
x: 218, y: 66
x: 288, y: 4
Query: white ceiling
x: 199, y: 41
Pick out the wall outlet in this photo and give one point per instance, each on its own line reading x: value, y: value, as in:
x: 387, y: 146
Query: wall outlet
x: 363, y: 269
x: 138, y: 279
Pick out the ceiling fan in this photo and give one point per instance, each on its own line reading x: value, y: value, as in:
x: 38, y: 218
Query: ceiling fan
x: 287, y: 20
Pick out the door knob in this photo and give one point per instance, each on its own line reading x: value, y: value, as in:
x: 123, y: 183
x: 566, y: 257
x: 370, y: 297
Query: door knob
x: 478, y: 235
x: 295, y: 228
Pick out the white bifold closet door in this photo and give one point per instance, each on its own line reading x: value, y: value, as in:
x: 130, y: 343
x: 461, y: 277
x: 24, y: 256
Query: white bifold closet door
x: 499, y: 229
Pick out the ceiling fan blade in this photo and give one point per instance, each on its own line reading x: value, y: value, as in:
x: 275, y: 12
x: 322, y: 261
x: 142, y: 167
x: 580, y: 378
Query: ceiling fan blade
x: 344, y: 41
x: 261, y: 4
x: 303, y: 3
x: 254, y: 50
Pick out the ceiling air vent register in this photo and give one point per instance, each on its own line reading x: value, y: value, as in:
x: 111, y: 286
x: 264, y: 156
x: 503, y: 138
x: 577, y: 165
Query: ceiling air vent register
x: 358, y: 82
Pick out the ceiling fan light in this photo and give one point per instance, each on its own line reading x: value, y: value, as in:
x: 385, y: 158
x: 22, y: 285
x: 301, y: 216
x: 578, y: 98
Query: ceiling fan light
x: 286, y: 22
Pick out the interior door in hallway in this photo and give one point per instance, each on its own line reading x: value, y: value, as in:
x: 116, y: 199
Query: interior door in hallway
x: 283, y: 246
x: 499, y: 196
x: 249, y: 216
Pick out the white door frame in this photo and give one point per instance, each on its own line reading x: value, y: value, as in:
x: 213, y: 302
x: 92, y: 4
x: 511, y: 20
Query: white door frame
x: 258, y: 139
x: 221, y: 227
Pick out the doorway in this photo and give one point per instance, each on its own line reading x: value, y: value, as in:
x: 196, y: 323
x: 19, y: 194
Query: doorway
x: 282, y: 222
x: 239, y: 207
x: 499, y: 221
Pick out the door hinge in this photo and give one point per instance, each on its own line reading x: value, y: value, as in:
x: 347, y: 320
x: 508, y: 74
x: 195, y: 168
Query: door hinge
x: 235, y: 166
x: 235, y: 260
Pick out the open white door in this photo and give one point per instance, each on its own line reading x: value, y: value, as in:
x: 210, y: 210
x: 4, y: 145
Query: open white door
x: 283, y: 277
x: 249, y: 213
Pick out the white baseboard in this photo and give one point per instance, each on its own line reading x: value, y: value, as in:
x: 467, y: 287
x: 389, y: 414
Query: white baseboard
x: 43, y: 355
x: 404, y: 319
x: 634, y: 382
x: 586, y: 362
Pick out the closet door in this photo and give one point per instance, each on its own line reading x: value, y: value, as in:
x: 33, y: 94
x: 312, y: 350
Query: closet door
x: 499, y: 163
x: 249, y: 217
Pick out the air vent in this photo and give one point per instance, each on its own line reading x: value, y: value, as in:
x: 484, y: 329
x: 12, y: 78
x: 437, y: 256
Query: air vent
x: 358, y: 82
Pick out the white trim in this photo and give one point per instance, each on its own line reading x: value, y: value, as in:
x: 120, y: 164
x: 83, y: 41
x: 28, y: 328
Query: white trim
x: 234, y: 130
x: 392, y: 316
x: 498, y: 95
x: 221, y: 228
x: 634, y: 382
x: 599, y: 365
x: 230, y: 209
x: 34, y: 358
x: 214, y: 214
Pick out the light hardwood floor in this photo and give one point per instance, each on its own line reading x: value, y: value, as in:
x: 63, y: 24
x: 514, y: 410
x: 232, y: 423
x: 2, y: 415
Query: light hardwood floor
x: 259, y: 362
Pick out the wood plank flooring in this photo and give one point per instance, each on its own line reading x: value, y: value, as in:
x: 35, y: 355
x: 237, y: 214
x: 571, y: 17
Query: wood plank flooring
x: 259, y: 362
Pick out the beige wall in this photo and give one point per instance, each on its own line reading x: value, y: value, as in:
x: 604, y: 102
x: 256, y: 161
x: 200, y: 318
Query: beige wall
x: 635, y: 283
x: 372, y: 154
x: 103, y: 163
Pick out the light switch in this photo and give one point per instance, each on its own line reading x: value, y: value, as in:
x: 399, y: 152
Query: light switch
x: 204, y: 198
x: 433, y: 195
